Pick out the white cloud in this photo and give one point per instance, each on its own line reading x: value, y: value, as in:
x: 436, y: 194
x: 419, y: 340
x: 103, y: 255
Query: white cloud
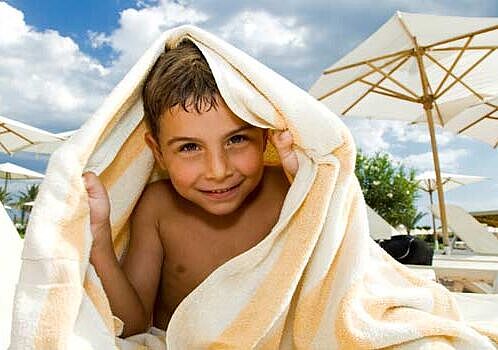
x: 449, y: 160
x: 44, y: 77
x: 12, y: 25
x: 138, y: 28
x: 260, y: 33
x: 420, y: 134
x: 445, y: 7
x: 438, y: 7
x: 370, y: 135
x: 381, y: 135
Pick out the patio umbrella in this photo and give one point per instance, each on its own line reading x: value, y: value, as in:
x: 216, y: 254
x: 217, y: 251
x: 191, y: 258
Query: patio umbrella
x: 48, y: 147
x: 15, y: 135
x: 479, y: 121
x: 427, y: 183
x: 416, y: 67
x: 9, y: 171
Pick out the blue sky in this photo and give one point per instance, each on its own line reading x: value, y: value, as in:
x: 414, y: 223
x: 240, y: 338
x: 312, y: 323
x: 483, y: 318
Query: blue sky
x: 59, y: 59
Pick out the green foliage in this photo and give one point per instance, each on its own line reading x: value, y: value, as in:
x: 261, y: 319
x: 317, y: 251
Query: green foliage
x: 26, y: 196
x: 5, y: 196
x: 389, y: 188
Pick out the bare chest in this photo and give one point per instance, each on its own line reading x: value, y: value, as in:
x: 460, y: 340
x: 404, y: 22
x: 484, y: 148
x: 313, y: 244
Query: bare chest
x: 193, y: 251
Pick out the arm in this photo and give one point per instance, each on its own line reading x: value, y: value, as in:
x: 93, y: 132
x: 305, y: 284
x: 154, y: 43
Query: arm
x: 144, y: 259
x: 125, y: 300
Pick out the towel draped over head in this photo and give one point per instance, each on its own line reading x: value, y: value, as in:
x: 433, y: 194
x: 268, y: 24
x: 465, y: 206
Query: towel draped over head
x: 316, y: 281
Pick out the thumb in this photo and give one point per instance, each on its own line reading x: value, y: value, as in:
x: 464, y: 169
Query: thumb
x: 283, y: 140
x: 93, y: 185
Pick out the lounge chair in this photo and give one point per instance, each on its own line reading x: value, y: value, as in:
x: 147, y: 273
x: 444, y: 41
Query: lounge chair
x: 379, y: 228
x: 468, y: 229
x: 10, y: 264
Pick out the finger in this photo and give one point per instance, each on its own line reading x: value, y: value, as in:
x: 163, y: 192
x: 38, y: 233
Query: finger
x: 93, y: 185
x: 282, y: 140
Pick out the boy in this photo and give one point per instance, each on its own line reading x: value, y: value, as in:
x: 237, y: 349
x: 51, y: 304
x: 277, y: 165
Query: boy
x: 219, y: 200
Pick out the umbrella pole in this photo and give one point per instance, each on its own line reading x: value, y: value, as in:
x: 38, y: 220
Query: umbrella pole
x: 436, y: 243
x: 439, y: 183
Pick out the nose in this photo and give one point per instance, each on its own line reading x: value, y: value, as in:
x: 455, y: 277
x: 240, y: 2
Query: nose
x: 218, y: 166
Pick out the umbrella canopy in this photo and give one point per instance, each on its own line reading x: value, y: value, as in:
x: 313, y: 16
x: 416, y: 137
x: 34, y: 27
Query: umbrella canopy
x: 381, y: 78
x: 478, y: 121
x: 15, y: 135
x: 16, y: 172
x: 427, y: 181
x: 413, y: 68
x: 50, y: 146
x: 9, y: 171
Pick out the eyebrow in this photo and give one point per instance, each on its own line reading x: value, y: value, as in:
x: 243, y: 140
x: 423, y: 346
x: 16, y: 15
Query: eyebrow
x: 193, y: 139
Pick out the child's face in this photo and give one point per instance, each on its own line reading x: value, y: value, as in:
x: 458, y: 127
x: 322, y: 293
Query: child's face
x: 214, y: 159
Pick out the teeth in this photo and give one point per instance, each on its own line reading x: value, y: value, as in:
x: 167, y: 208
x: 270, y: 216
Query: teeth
x: 220, y: 191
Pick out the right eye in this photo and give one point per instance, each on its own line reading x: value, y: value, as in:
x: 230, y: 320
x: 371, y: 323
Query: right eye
x: 189, y: 147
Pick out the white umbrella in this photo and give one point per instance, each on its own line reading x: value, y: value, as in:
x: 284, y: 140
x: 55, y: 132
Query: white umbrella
x: 415, y: 66
x: 9, y: 171
x: 48, y: 147
x: 479, y: 121
x: 427, y: 183
x: 15, y: 135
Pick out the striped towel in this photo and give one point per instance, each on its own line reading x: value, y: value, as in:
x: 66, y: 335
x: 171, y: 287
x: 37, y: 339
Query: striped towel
x: 317, y: 281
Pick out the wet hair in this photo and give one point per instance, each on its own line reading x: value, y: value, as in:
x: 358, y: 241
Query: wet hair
x: 180, y: 77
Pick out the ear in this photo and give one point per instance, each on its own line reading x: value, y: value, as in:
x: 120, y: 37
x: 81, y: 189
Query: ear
x: 154, y: 146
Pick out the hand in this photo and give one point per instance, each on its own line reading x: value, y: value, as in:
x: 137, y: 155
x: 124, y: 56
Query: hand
x: 99, y: 204
x: 282, y: 140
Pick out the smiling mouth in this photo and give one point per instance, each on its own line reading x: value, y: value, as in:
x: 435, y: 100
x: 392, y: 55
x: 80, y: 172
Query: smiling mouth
x: 224, y: 190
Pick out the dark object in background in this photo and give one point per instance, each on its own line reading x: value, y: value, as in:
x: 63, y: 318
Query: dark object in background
x: 408, y: 250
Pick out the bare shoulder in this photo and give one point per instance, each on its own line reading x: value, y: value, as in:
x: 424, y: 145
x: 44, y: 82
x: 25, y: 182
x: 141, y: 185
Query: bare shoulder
x: 155, y: 197
x: 276, y: 179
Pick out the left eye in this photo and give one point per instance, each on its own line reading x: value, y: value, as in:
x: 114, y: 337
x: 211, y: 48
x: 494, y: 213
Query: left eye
x: 237, y: 139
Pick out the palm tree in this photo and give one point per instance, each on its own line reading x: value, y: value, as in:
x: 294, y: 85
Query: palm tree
x: 27, y: 196
x: 5, y: 196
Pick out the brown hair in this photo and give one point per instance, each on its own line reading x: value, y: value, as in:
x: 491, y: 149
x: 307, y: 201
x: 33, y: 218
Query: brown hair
x: 181, y: 76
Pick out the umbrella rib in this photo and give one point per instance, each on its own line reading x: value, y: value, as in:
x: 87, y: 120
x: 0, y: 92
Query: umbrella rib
x: 458, y: 48
x: 438, y: 111
x: 487, y: 116
x: 450, y: 70
x: 492, y: 105
x: 5, y: 148
x: 456, y: 38
x: 455, y: 77
x: 400, y: 54
x: 459, y: 79
x: 18, y: 134
x: 399, y: 97
x: 345, y: 85
x: 374, y: 85
x: 391, y: 79
x: 393, y: 92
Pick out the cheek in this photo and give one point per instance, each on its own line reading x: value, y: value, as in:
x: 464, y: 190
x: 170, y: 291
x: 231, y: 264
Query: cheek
x: 182, y: 172
x: 250, y: 161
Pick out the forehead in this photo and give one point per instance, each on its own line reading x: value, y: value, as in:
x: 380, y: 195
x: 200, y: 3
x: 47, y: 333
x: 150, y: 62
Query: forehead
x: 216, y: 121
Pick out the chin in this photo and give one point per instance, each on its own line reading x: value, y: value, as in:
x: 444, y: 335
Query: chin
x: 220, y: 210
